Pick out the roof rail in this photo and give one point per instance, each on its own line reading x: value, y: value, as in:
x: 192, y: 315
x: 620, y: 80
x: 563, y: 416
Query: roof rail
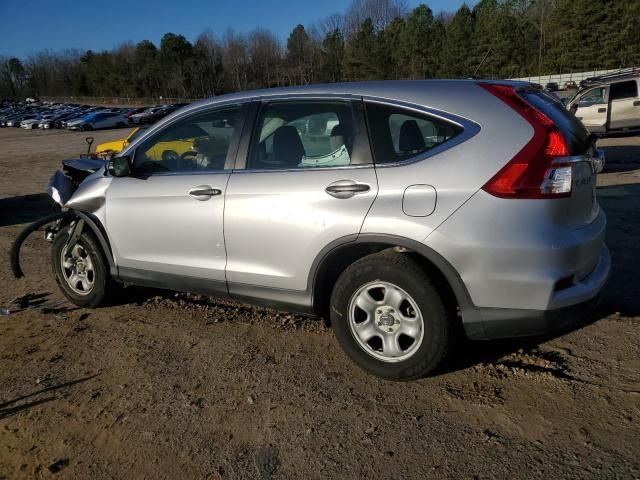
x: 618, y: 74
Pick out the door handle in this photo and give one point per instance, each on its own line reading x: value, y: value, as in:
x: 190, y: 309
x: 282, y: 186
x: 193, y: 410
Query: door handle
x: 346, y: 188
x: 602, y: 110
x: 204, y: 192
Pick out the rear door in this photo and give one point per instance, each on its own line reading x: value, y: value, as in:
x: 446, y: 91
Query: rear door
x: 592, y: 108
x: 625, y: 105
x: 305, y: 182
x: 165, y: 220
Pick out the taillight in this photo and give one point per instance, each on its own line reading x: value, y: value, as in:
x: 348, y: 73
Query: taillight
x: 539, y: 169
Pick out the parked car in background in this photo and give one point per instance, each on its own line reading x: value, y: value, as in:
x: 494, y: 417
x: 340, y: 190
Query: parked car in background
x: 4, y: 122
x: 143, y: 116
x: 552, y: 87
x: 155, y: 113
x: 46, y: 123
x: 570, y: 85
x: 17, y: 120
x: 35, y: 122
x: 96, y: 120
x: 387, y: 226
x: 609, y: 103
x: 135, y: 111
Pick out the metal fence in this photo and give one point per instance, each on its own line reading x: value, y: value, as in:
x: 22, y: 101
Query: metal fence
x: 119, y: 101
x: 561, y: 78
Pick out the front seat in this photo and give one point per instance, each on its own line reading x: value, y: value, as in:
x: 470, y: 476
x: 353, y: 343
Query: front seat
x: 339, y: 137
x: 411, y: 139
x: 287, y: 147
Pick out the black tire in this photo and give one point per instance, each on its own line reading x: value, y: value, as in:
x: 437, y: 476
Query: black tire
x: 438, y: 324
x: 86, y: 127
x: 102, y: 282
x: 120, y: 125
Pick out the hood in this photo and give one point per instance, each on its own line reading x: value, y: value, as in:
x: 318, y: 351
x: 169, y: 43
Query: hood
x: 64, y: 183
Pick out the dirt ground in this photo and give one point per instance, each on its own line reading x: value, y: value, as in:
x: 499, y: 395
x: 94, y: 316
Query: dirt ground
x: 170, y: 385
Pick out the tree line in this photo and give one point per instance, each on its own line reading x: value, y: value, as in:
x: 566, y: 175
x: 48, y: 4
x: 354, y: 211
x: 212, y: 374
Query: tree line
x: 373, y: 39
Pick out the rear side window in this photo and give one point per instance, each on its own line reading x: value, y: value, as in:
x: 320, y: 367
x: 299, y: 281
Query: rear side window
x: 399, y: 134
x: 623, y: 90
x: 574, y: 133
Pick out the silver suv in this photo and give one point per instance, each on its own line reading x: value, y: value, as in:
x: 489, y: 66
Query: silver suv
x: 400, y: 211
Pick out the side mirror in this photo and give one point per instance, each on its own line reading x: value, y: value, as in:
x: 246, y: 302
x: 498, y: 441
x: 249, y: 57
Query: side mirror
x: 119, y: 166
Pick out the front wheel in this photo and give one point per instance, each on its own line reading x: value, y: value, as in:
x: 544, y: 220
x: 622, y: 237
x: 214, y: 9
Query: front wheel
x: 389, y: 317
x: 81, y: 271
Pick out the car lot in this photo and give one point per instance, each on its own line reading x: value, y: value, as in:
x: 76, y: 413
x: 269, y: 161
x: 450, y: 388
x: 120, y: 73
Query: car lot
x: 46, y: 115
x: 184, y: 386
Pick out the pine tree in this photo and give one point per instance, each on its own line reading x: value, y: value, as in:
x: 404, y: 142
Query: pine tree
x: 391, y: 56
x: 332, y: 56
x: 421, y: 42
x: 456, y: 60
x: 360, y: 54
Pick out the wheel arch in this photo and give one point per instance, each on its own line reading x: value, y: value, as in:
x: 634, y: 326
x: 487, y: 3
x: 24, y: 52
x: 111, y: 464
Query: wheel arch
x: 342, y: 253
x: 98, y: 230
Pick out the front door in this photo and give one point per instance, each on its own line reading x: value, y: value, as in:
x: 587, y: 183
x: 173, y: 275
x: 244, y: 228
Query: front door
x: 592, y: 109
x: 307, y: 183
x: 166, y: 218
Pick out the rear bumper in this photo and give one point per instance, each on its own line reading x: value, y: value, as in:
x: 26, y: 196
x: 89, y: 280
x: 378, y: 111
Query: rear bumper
x: 581, y: 299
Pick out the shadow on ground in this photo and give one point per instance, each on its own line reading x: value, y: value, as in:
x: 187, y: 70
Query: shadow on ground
x: 26, y: 209
x: 621, y: 158
x: 17, y: 405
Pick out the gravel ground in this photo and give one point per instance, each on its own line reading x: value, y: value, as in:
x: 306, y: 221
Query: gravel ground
x: 167, y: 385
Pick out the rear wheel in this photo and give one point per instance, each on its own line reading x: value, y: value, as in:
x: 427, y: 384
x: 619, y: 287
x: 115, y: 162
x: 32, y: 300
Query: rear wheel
x: 82, y: 271
x: 86, y: 126
x: 389, y: 317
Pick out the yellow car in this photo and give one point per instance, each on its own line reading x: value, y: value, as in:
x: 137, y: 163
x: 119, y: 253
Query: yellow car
x: 173, y: 145
x: 115, y: 146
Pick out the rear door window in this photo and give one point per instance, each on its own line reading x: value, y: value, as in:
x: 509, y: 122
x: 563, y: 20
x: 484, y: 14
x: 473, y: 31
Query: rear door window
x: 305, y: 134
x: 398, y: 134
x: 623, y: 90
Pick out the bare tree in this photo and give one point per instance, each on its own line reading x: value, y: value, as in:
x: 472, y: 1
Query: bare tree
x: 265, y: 53
x: 236, y: 59
x: 381, y: 13
x: 328, y: 24
x: 211, y: 78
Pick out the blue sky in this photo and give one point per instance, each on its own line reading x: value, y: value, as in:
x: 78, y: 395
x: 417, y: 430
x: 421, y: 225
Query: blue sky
x: 28, y: 26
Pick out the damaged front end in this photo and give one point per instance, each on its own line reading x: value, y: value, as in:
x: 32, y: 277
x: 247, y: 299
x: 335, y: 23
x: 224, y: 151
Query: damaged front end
x: 80, y: 189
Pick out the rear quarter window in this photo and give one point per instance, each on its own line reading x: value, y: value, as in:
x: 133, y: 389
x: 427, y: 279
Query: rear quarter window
x: 399, y: 134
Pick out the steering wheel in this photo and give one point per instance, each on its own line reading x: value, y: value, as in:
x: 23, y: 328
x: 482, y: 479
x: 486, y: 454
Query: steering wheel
x: 189, y: 155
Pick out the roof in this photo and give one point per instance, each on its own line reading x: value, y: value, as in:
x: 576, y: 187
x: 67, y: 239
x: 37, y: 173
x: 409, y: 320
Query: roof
x: 396, y: 89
